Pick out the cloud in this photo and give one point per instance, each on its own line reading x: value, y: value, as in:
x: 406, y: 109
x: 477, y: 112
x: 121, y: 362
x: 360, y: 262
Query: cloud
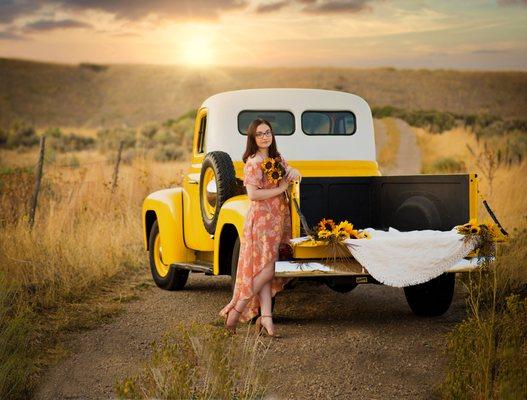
x: 7, y: 35
x: 265, y: 8
x: 336, y: 6
x: 131, y: 10
x: 11, y: 9
x: 512, y: 2
x: 49, y: 25
x: 134, y: 10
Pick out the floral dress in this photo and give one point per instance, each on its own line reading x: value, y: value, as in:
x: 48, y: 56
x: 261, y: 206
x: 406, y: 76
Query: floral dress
x: 267, y: 225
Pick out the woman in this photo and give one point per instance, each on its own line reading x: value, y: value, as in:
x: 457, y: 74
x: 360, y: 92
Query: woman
x: 268, y: 223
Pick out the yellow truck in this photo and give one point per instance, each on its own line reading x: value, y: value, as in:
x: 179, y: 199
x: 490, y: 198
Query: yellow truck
x: 329, y: 137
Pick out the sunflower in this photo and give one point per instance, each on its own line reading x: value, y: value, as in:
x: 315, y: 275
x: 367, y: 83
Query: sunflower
x: 340, y: 233
x: 268, y: 164
x: 345, y: 226
x: 327, y: 224
x: 323, y: 234
x: 274, y: 175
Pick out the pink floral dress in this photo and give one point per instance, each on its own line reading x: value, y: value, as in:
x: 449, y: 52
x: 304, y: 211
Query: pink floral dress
x: 267, y: 225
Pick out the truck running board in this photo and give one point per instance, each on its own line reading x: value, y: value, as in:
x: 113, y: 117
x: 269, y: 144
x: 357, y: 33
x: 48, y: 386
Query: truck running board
x: 194, y: 267
x: 317, y: 268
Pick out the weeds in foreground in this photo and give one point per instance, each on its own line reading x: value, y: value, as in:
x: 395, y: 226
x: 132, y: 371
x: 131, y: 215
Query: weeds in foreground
x: 488, y: 350
x: 201, y: 362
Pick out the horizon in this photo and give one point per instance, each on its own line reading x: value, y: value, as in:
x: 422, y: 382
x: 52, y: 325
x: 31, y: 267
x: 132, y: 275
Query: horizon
x: 482, y: 35
x: 209, y: 67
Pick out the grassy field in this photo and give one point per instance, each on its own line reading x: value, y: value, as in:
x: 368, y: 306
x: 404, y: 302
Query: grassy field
x: 45, y: 94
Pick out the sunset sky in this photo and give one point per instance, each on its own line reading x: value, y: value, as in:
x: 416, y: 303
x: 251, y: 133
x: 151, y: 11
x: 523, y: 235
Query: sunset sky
x: 343, y: 33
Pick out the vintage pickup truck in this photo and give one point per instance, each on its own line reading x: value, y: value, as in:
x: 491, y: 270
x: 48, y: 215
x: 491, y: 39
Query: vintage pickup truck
x: 329, y: 137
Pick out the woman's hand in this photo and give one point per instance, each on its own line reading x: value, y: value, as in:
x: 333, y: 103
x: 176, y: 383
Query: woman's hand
x: 283, y: 185
x: 292, y: 175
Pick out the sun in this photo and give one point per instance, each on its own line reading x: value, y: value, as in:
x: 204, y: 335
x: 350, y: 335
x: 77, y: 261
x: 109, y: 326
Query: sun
x: 197, y: 51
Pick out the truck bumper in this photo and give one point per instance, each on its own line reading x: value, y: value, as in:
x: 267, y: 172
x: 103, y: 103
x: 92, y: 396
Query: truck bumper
x: 310, y: 268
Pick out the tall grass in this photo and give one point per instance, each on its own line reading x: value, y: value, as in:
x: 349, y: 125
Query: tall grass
x: 488, y: 350
x: 83, y: 234
x: 388, y: 152
x: 201, y: 362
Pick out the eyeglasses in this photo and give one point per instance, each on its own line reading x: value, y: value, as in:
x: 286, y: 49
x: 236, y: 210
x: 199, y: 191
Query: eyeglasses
x: 262, y: 134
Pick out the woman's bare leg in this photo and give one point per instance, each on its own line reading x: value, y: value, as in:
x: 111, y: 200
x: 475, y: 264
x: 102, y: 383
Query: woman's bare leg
x: 263, y: 277
x: 266, y: 306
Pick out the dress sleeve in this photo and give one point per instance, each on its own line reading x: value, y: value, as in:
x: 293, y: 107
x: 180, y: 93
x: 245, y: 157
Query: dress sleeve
x: 252, y: 173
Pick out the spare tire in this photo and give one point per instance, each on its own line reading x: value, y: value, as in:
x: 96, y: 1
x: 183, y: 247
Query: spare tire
x: 217, y: 184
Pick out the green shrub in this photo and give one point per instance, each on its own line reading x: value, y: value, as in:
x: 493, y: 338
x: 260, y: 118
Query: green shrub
x: 21, y: 135
x: 445, y: 165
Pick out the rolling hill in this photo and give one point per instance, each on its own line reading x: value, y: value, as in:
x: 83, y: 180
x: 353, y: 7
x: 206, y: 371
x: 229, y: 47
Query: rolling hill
x: 88, y: 95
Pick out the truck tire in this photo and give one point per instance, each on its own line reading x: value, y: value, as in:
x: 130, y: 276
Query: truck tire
x: 217, y: 184
x: 432, y: 298
x: 165, y: 276
x: 234, y: 270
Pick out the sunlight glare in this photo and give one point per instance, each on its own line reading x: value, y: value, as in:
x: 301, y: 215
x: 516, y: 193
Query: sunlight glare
x: 197, y: 51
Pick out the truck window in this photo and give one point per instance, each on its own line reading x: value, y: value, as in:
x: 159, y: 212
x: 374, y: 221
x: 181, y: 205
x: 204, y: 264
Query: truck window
x: 283, y: 122
x: 328, y: 123
x: 201, y: 134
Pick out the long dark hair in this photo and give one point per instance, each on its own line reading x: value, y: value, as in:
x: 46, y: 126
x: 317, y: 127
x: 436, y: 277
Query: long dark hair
x: 252, y: 147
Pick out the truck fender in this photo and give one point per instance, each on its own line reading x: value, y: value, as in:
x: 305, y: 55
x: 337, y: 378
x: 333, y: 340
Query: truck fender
x: 166, y: 206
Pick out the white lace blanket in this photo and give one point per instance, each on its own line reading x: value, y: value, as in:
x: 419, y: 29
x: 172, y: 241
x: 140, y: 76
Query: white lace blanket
x: 408, y: 258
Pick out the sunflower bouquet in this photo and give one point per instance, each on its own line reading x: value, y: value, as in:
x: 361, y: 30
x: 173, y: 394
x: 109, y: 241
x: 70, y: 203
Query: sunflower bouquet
x: 333, y: 235
x: 485, y: 234
x: 329, y: 231
x: 273, y: 169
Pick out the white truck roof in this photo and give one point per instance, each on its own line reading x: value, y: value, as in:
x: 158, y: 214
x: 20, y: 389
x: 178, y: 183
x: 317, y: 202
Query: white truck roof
x: 222, y: 123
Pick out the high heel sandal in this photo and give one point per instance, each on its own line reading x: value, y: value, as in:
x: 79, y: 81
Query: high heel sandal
x: 232, y: 328
x: 259, y: 326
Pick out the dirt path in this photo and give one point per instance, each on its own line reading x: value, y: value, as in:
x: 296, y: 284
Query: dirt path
x: 362, y: 344
x: 408, y: 156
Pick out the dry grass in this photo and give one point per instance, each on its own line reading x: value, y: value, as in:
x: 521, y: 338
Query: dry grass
x: 388, y: 152
x: 487, y: 352
x: 201, y: 362
x: 84, y: 235
x: 509, y: 197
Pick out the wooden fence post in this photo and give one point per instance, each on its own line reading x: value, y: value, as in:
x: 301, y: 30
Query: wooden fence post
x: 38, y: 178
x: 116, y: 169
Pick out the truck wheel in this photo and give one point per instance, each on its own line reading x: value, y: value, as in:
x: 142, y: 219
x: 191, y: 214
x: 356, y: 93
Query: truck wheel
x: 341, y: 285
x: 164, y: 276
x: 217, y: 184
x: 432, y: 298
x: 234, y: 269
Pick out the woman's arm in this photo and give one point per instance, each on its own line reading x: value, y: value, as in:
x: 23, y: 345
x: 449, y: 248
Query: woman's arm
x: 255, y: 193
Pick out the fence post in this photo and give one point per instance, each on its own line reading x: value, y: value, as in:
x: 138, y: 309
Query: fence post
x: 38, y: 178
x: 116, y: 169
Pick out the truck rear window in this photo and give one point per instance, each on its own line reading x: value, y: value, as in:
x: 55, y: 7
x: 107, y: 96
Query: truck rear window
x: 328, y: 123
x: 283, y: 122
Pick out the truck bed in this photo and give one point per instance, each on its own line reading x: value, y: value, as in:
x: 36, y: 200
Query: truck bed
x: 404, y: 202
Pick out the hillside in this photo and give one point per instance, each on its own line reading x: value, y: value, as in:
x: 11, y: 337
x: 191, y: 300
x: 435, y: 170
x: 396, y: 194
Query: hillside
x: 93, y: 96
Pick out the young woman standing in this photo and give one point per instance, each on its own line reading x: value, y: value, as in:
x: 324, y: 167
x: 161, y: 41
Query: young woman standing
x: 267, y: 225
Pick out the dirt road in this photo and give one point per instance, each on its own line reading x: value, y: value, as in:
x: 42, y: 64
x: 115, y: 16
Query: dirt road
x: 362, y: 344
